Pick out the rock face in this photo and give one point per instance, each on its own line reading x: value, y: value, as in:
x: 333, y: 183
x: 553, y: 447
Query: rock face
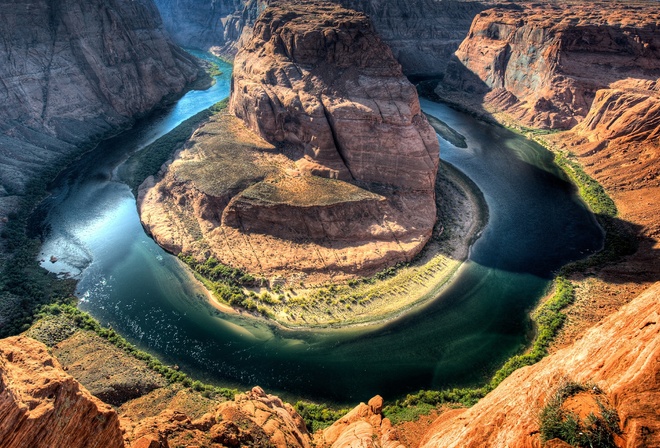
x: 542, y: 64
x: 42, y: 406
x: 364, y: 427
x: 344, y: 184
x: 317, y: 77
x: 620, y: 355
x: 252, y: 419
x: 73, y: 71
x: 423, y: 34
x: 215, y: 25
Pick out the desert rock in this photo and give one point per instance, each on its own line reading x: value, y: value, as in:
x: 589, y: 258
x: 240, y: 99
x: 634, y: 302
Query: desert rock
x: 619, y: 355
x: 42, y: 406
x: 542, y: 64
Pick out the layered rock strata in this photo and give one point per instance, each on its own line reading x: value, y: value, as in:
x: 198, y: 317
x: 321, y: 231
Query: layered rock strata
x: 317, y: 77
x: 344, y: 183
x: 619, y: 355
x: 42, y: 406
x: 73, y: 71
x: 364, y: 426
x: 252, y: 419
x: 422, y: 34
x: 542, y: 64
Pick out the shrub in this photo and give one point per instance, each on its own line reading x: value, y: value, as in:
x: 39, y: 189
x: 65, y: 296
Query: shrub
x: 596, y: 431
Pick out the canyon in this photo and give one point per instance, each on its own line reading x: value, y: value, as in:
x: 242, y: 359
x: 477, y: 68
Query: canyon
x: 73, y: 73
x: 343, y: 156
x: 422, y: 34
x: 589, y: 70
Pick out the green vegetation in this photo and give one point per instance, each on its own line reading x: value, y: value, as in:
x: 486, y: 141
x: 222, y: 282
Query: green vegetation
x: 619, y: 240
x: 228, y: 284
x: 595, y: 431
x: 148, y: 161
x: 83, y: 321
x: 318, y: 416
x: 24, y: 285
x: 549, y: 320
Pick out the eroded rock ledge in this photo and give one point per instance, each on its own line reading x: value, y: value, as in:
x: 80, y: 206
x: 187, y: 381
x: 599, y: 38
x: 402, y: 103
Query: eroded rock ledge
x: 542, y: 64
x: 341, y: 181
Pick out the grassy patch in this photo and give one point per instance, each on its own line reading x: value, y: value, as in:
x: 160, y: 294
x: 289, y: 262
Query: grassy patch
x: 307, y: 191
x: 147, y: 162
x: 318, y: 416
x: 75, y: 318
x: 596, y: 430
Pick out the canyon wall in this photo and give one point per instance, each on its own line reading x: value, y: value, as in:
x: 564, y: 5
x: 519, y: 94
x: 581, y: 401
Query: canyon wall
x: 619, y: 356
x: 330, y: 171
x: 423, y: 34
x: 41, y: 406
x: 73, y: 71
x: 542, y: 64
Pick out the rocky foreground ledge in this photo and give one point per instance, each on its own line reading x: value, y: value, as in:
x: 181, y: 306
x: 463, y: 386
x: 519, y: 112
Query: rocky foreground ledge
x: 329, y: 170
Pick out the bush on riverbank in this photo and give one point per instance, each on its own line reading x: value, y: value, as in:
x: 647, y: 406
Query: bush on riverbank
x: 83, y: 321
x: 619, y: 240
x: 24, y: 285
x: 549, y: 320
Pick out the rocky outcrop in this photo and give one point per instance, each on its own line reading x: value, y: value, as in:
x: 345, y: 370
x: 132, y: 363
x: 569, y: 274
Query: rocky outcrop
x: 364, y: 427
x: 317, y: 77
x: 542, y: 64
x: 215, y: 25
x: 344, y: 184
x: 422, y: 34
x: 619, y: 355
x: 73, y: 71
x: 41, y: 406
x: 265, y: 216
x: 252, y: 419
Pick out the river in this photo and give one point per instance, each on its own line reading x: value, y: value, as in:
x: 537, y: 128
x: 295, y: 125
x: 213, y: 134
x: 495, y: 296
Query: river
x: 537, y: 224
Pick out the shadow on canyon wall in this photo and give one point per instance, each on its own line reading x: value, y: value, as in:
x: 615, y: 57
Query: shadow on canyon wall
x: 630, y: 253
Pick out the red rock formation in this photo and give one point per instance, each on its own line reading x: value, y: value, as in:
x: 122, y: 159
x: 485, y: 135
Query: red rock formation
x: 542, y: 64
x: 316, y: 82
x: 364, y: 427
x: 620, y: 355
x: 41, y: 406
x: 252, y: 419
x: 316, y: 76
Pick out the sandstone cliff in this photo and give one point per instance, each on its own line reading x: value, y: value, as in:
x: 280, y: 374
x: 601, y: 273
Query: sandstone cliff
x: 42, y: 406
x: 348, y: 186
x: 620, y: 355
x: 317, y: 77
x: 364, y: 426
x: 542, y: 64
x: 423, y: 34
x: 72, y: 71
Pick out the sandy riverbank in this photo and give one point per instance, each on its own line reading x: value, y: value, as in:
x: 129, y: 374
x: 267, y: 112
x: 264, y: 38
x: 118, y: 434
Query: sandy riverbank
x: 462, y: 213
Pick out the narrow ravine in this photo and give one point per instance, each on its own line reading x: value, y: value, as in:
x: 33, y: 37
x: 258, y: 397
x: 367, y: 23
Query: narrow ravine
x: 537, y: 223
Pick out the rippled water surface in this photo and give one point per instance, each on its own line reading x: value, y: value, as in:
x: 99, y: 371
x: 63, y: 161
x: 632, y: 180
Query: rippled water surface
x: 127, y: 281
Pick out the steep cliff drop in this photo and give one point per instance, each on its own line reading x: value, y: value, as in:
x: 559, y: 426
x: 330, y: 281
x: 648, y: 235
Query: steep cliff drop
x: 344, y: 182
x: 43, y: 406
x: 73, y: 71
x: 619, y: 357
x: 542, y: 64
x: 422, y: 34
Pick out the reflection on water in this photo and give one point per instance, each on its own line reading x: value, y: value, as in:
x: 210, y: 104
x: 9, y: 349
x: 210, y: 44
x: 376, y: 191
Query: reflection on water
x: 127, y: 281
